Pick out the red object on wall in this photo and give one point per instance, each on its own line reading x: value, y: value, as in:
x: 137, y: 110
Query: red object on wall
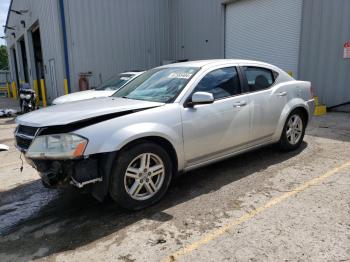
x: 346, y: 54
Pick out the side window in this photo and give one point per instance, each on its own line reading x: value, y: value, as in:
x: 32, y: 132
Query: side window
x: 223, y: 82
x: 258, y: 78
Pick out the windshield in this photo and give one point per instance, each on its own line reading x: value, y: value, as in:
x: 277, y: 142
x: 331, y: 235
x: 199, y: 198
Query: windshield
x: 115, y: 82
x: 158, y: 85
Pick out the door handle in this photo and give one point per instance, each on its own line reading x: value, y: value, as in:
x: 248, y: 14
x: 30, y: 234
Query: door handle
x: 282, y: 94
x: 240, y: 104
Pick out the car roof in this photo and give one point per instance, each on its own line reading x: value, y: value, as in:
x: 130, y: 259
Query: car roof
x: 216, y: 62
x: 132, y: 73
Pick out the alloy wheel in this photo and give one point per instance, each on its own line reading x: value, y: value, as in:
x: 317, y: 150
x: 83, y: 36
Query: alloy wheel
x: 144, y: 176
x: 294, y: 129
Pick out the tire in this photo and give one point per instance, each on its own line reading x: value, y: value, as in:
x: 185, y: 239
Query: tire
x: 291, y: 129
x: 140, y: 176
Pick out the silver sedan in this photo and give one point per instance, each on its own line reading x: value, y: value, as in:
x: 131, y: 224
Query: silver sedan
x: 167, y: 121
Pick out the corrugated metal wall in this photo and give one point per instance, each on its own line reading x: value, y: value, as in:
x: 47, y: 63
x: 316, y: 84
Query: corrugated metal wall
x: 265, y: 30
x: 46, y: 13
x: 112, y: 36
x: 197, y: 29
x: 326, y: 27
x: 4, y: 77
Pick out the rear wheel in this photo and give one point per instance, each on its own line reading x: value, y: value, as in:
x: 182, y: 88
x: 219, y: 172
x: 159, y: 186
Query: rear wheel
x: 293, y: 131
x: 141, y: 176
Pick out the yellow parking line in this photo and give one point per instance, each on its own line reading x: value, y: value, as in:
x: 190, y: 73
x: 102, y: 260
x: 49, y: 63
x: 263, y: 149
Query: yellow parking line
x: 219, y: 232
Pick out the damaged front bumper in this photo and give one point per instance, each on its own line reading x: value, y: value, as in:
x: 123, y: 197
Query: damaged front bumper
x: 56, y: 173
x: 91, y: 173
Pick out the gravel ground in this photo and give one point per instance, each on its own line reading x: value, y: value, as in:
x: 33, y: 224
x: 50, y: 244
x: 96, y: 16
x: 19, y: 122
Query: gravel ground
x: 312, y: 225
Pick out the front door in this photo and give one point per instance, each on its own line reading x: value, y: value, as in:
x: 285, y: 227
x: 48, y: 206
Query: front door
x: 213, y: 130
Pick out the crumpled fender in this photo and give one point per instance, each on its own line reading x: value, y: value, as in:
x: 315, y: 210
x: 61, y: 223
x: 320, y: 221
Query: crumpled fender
x: 143, y: 130
x: 122, y: 136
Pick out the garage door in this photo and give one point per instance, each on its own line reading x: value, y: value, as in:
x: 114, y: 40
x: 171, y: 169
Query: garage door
x: 265, y: 30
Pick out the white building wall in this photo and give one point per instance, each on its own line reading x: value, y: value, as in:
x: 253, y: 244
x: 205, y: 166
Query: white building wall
x: 325, y: 31
x: 46, y: 13
x: 197, y: 29
x: 4, y: 77
x: 112, y: 36
x: 265, y: 30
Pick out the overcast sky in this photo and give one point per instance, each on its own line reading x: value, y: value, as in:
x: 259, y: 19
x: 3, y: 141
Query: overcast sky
x: 4, y: 6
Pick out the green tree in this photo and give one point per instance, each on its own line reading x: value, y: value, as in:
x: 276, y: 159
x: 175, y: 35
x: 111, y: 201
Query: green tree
x: 4, y: 62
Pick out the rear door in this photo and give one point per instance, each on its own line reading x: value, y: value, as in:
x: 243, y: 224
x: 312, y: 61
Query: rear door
x: 267, y: 101
x: 214, y: 129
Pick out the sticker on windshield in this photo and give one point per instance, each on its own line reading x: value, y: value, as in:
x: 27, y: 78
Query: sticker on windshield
x: 125, y: 78
x: 180, y: 75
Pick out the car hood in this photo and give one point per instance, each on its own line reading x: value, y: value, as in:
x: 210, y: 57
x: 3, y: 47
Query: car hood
x: 82, y: 110
x: 83, y: 95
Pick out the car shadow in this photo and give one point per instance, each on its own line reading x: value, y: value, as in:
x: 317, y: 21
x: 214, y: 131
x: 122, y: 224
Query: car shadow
x: 34, y: 217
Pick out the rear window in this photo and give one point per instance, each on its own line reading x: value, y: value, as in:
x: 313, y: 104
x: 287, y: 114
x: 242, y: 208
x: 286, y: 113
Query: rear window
x: 259, y: 78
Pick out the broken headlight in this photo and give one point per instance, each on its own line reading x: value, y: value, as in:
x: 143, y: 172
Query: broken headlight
x: 61, y: 146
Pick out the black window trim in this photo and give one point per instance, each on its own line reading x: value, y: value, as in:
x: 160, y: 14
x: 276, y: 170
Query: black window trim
x: 240, y: 79
x: 246, y: 85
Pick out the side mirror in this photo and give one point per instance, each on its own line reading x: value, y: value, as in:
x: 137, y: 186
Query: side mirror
x: 201, y: 98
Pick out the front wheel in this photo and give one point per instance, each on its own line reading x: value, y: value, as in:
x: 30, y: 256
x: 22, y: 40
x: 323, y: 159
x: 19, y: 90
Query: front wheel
x: 293, y: 131
x: 141, y: 176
